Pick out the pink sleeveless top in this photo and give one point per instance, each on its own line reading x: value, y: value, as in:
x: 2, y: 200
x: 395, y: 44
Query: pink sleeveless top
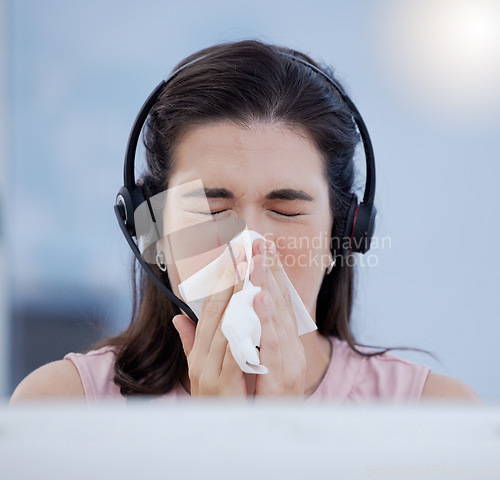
x: 350, y: 377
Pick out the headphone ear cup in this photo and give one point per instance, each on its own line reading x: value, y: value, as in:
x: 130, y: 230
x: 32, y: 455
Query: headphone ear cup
x: 363, y: 227
x: 359, y: 226
x: 128, y: 200
x: 350, y: 218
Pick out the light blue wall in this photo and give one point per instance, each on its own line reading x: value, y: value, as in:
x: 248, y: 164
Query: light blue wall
x: 78, y: 73
x: 4, y: 317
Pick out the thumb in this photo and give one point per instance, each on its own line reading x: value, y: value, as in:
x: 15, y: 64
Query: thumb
x: 186, y: 329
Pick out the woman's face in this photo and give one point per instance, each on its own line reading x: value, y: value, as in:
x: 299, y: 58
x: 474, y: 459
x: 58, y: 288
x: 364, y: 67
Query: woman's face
x: 260, y: 172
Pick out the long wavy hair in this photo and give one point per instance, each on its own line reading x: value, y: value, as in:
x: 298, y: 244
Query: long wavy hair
x: 241, y: 82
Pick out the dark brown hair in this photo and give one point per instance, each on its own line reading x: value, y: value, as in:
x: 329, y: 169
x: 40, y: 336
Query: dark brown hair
x: 241, y: 82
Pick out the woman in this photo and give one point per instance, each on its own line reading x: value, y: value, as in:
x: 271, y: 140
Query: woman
x: 273, y: 144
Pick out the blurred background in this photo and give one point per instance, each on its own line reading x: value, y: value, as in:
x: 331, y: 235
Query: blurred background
x: 425, y: 75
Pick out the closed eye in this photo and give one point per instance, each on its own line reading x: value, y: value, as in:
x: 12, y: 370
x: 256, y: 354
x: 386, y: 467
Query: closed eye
x: 274, y: 211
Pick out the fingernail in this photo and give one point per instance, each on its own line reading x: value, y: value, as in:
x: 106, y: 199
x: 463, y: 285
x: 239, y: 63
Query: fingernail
x: 262, y: 247
x: 271, y: 247
x: 265, y: 300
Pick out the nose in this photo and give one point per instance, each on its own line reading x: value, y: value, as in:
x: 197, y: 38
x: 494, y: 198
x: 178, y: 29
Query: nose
x: 254, y: 220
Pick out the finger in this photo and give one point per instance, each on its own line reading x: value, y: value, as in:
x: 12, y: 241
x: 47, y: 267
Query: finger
x: 285, y: 322
x: 186, y: 329
x: 215, y: 357
x: 277, y: 285
x: 268, y: 273
x: 257, y: 271
x: 286, y: 365
x: 230, y: 369
x: 261, y: 249
x: 258, y: 246
x: 277, y: 351
x: 280, y: 318
x: 281, y: 309
x: 261, y: 260
x: 270, y: 345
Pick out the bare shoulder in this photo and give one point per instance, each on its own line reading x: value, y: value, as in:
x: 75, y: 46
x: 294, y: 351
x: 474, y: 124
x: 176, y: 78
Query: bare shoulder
x: 439, y: 386
x: 55, y: 379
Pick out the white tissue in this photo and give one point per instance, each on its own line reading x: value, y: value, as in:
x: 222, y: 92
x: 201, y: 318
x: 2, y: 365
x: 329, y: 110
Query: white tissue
x: 240, y: 323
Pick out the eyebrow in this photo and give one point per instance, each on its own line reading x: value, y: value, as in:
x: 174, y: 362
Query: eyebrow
x: 281, y: 194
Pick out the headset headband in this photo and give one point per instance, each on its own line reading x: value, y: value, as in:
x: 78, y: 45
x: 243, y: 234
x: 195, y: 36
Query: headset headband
x: 129, y: 175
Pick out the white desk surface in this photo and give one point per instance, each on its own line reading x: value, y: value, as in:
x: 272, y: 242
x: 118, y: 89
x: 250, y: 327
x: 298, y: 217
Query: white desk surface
x: 225, y: 440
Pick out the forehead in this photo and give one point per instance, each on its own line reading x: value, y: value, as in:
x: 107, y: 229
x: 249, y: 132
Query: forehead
x: 258, y: 155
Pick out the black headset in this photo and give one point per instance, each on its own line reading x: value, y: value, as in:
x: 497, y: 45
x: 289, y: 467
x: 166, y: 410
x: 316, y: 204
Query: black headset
x: 358, y: 224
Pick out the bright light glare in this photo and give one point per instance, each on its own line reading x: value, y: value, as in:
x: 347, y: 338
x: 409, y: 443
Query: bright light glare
x: 444, y: 54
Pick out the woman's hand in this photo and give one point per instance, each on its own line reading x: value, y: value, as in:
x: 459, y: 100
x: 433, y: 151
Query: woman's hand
x: 212, y: 368
x: 281, y: 350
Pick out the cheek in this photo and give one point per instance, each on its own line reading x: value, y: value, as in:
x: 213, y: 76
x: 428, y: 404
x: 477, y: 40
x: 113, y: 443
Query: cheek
x: 304, y: 261
x: 307, y: 252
